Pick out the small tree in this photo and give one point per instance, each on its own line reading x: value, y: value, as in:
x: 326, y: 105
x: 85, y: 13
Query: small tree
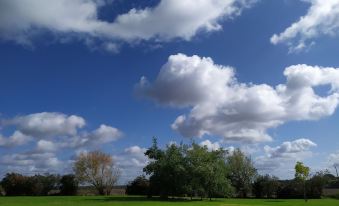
x: 301, y: 173
x: 97, y: 169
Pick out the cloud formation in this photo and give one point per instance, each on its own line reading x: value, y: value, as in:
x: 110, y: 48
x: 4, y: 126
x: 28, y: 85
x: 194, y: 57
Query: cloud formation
x: 210, y: 145
x: 334, y: 159
x: 284, y: 156
x: 222, y: 106
x: 21, y: 21
x: 322, y: 19
x: 49, y: 133
x: 47, y: 124
x: 31, y: 163
x: 131, y: 162
x: 289, y: 149
x: 17, y: 139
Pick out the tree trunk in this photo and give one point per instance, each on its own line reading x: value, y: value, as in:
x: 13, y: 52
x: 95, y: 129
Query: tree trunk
x: 305, y: 197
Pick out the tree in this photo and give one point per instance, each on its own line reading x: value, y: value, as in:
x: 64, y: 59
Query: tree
x: 39, y: 185
x: 241, y: 172
x: 97, y: 169
x: 68, y: 185
x: 301, y: 173
x: 167, y: 170
x: 2, y: 192
x: 139, y: 186
x: 14, y: 184
x: 265, y: 186
x: 192, y: 170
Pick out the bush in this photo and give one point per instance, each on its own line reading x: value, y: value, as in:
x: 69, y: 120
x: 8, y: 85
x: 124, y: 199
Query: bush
x: 290, y: 189
x: 2, y: 192
x: 139, y: 186
x: 68, y: 185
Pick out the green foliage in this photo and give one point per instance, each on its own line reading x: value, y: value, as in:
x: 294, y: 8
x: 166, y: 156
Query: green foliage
x: 302, y: 172
x: 241, y: 172
x: 187, y: 170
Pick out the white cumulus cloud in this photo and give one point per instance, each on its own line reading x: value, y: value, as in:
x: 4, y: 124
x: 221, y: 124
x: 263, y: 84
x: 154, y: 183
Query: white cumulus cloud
x: 280, y: 160
x: 321, y: 19
x: 222, y: 106
x: 17, y: 139
x: 211, y: 146
x: 131, y: 162
x: 47, y: 124
x: 21, y: 21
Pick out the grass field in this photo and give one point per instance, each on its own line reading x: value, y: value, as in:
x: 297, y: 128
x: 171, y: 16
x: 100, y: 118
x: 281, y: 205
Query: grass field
x: 140, y: 201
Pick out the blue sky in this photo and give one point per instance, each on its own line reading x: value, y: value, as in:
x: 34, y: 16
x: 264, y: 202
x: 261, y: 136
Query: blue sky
x: 52, y: 69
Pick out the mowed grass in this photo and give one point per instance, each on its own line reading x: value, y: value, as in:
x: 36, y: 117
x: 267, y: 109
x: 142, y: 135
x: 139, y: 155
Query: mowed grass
x: 141, y: 201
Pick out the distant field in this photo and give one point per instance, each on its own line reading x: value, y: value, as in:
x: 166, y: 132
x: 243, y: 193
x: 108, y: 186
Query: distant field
x: 140, y: 201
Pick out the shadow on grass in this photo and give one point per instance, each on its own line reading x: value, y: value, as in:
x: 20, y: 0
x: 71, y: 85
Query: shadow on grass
x: 141, y: 199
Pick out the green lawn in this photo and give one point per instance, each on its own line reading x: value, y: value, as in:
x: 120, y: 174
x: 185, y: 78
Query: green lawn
x: 140, y: 201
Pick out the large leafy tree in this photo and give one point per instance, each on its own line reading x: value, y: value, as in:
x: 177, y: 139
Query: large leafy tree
x: 187, y: 170
x: 241, y: 172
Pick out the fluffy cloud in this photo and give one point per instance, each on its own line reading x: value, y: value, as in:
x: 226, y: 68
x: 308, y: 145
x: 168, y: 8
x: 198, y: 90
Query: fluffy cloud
x: 46, y: 124
x: 16, y: 139
x: 222, y: 106
x: 210, y: 146
x: 105, y: 134
x: 20, y: 20
x: 334, y: 159
x: 289, y: 149
x: 46, y: 146
x: 51, y: 133
x: 131, y: 162
x: 322, y: 18
x: 284, y: 156
x: 30, y: 163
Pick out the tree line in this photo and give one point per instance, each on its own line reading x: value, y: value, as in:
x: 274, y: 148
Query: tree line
x: 194, y: 171
x: 175, y: 171
x: 15, y: 184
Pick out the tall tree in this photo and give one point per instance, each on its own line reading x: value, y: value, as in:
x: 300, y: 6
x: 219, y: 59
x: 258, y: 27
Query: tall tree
x: 98, y: 169
x: 167, y: 170
x: 241, y: 172
x: 302, y: 172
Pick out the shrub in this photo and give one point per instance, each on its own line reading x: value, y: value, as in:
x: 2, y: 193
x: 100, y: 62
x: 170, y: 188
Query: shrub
x: 68, y: 185
x: 139, y: 186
